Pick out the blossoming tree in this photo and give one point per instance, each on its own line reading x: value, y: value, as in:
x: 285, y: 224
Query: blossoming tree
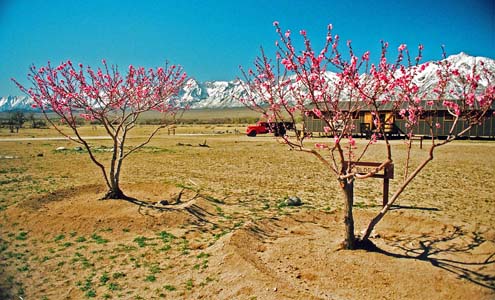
x: 298, y: 84
x: 106, y: 96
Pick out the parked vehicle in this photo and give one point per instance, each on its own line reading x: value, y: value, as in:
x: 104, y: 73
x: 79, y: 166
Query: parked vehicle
x: 261, y: 127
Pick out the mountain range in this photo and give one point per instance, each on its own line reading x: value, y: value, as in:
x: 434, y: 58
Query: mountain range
x: 221, y: 94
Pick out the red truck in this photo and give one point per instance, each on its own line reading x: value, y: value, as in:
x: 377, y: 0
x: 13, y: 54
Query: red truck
x: 277, y: 128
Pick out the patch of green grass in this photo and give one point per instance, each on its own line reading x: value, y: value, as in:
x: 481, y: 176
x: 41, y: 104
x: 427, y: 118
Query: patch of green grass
x: 238, y: 224
x: 189, y: 284
x: 203, y: 255
x: 127, y: 248
x: 81, y: 239
x: 166, y: 237
x: 142, y: 241
x: 14, y: 255
x: 359, y: 204
x: 90, y: 293
x: 3, y: 245
x: 113, y: 286
x: 206, y: 281
x: 165, y: 248
x: 67, y: 244
x: 150, y: 278
x: 184, y: 247
x: 104, y: 278
x: 118, y: 275
x: 12, y: 170
x: 22, y: 236
x: 24, y: 268
x: 87, y: 286
x: 98, y: 239
x: 169, y: 287
x: 155, y: 268
x: 9, y: 180
x: 84, y: 261
x: 59, y: 238
x: 219, y: 235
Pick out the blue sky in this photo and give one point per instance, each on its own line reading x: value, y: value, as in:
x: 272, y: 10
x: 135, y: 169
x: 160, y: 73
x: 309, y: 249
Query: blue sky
x: 210, y: 39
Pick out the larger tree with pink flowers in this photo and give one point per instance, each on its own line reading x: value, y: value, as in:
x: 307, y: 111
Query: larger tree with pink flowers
x: 107, y: 96
x: 298, y: 86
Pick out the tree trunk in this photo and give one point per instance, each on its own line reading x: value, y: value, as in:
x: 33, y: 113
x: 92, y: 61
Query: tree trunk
x: 115, y: 193
x: 347, y: 186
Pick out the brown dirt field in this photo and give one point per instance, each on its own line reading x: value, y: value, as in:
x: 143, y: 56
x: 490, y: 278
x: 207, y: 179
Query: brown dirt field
x: 231, y: 238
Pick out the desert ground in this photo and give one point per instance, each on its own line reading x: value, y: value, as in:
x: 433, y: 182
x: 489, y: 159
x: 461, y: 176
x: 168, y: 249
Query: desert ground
x: 232, y: 236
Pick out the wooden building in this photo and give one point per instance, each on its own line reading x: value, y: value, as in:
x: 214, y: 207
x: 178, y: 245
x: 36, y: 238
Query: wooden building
x: 395, y: 125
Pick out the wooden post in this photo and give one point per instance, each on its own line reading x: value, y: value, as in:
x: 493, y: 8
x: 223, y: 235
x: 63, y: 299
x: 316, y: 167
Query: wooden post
x: 388, y: 173
x: 385, y: 191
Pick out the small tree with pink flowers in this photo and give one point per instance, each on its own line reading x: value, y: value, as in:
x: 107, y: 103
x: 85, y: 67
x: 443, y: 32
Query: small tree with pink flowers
x: 104, y: 95
x: 298, y: 84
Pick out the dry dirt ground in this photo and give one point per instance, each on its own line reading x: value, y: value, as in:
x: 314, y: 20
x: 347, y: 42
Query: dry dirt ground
x: 232, y: 237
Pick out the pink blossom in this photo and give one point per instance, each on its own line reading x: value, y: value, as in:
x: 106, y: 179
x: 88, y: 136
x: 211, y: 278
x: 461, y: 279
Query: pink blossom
x: 326, y: 129
x: 437, y: 125
x: 366, y: 56
x: 302, y: 32
x: 275, y: 23
x: 402, y: 47
x: 287, y: 34
x: 321, y: 146
x: 317, y: 112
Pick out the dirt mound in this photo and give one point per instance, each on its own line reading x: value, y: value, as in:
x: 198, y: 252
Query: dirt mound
x: 297, y: 257
x: 79, y: 209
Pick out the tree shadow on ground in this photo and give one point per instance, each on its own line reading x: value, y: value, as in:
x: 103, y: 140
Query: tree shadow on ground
x: 180, y: 202
x: 397, y: 207
x: 434, y: 250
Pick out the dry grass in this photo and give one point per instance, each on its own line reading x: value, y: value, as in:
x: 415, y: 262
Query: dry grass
x: 59, y: 242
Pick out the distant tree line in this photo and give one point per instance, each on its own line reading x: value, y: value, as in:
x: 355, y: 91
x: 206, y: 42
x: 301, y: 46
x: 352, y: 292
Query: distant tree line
x: 203, y: 121
x: 15, y: 120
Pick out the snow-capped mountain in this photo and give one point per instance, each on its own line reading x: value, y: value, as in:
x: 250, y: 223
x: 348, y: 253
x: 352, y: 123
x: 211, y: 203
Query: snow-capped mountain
x: 209, y: 94
x: 212, y: 94
x: 463, y: 62
x: 11, y: 103
x: 219, y: 94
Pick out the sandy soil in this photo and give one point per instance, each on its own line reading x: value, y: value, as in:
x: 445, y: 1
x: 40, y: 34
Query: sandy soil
x: 230, y: 237
x: 291, y: 256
